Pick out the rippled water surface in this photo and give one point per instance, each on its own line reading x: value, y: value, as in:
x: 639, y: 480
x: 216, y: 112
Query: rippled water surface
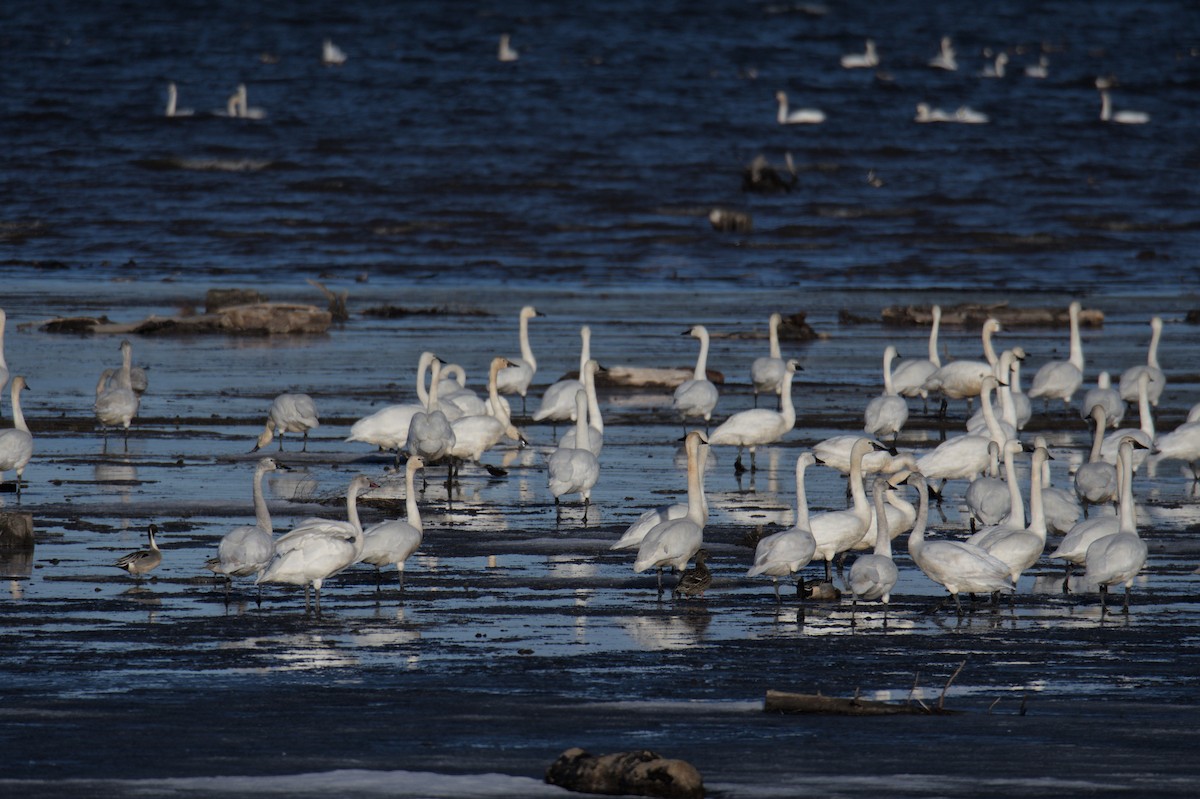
x: 426, y: 174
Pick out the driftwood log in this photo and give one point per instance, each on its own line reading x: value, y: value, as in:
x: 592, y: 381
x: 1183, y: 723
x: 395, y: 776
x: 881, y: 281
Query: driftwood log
x: 974, y: 315
x: 259, y: 319
x: 641, y: 773
x: 784, y: 702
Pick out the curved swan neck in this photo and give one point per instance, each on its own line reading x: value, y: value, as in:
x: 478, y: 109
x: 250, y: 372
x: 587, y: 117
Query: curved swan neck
x: 802, y: 521
x: 1037, y: 515
x: 933, y: 337
x: 1076, y: 358
x: 526, y: 350
x: 1151, y: 354
x: 14, y: 391
x: 883, y: 541
x: 261, y: 514
x: 701, y: 371
x: 593, y: 403
x: 410, y: 497
x: 773, y: 329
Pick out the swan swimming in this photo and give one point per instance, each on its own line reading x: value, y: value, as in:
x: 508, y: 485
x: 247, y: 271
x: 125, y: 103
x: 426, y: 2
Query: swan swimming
x: 785, y: 553
x: 394, y: 540
x: 289, y: 413
x: 865, y: 60
x: 756, y: 427
x: 797, y: 116
x: 696, y: 398
x: 16, y: 442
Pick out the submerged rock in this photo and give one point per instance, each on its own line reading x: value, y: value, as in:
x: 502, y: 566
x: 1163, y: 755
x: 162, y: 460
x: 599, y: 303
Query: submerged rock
x: 640, y: 773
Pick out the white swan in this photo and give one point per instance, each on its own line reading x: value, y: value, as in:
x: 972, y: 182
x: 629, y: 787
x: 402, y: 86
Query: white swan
x: 766, y: 372
x: 955, y: 565
x: 837, y: 531
x: 558, y: 403
x: 247, y: 549
x: 785, y: 553
x: 1118, y: 117
x: 173, y: 109
x: 1144, y: 434
x: 697, y: 397
x: 1018, y: 546
x: 874, y: 576
x: 331, y: 54
x: 964, y: 379
x: 910, y: 374
x: 886, y: 413
x: 1096, y: 481
x: 864, y: 60
x: 1061, y: 379
x: 117, y: 404
x: 996, y: 69
x: 516, y: 377
x: 1060, y: 507
x: 317, y: 549
x: 575, y: 470
x: 289, y: 413
x: 636, y: 532
x: 1158, y: 380
x: 798, y: 116
x: 946, y: 58
x: 387, y: 428
x: 1107, y: 398
x: 1074, y: 545
x: 394, y: 540
x: 673, y: 542
x: 756, y: 427
x: 966, y: 456
x: 16, y: 442
x: 475, y: 435
x: 595, y: 425
x: 144, y: 560
x: 505, y: 51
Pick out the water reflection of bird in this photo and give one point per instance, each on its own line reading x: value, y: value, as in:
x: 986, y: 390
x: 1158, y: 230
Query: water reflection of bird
x: 144, y: 560
x: 289, y: 413
x: 696, y: 580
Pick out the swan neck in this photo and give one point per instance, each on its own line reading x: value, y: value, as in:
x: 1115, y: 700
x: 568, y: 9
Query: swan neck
x: 410, y: 500
x: 261, y: 514
x: 14, y: 392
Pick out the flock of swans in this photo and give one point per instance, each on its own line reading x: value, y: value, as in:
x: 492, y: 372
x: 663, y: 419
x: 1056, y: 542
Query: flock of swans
x: 451, y: 425
x: 946, y: 60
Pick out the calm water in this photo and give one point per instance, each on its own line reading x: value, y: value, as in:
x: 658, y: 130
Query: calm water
x: 578, y: 179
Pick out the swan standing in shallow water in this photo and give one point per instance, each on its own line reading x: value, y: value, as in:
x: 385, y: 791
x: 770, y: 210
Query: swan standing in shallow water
x: 317, y: 549
x: 118, y: 404
x: 874, y: 576
x: 798, y: 116
x: 786, y: 553
x: 173, y: 109
x: 575, y: 470
x: 248, y: 549
x: 1129, y: 378
x: 290, y: 413
x: 865, y: 60
x: 393, y: 541
x: 886, y: 413
x: 758, y: 427
x: 910, y: 374
x: 595, y: 426
x: 673, y: 542
x: 144, y: 560
x: 16, y: 443
x: 1061, y: 379
x: 955, y: 565
x: 1119, y: 117
x: 558, y: 403
x: 697, y: 397
x: 516, y: 377
x: 766, y: 372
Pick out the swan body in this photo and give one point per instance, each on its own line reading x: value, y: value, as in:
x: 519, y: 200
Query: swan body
x: 758, y: 427
x: 1061, y: 379
x: 785, y: 553
x: 516, y: 377
x: 144, y: 560
x: 865, y: 60
x: 317, y: 549
x: 595, y: 426
x: 886, y: 413
x: 558, y: 403
x: 673, y: 542
x: 394, y: 540
x: 387, y: 428
x: 874, y: 576
x: 838, y: 531
x: 289, y: 413
x: 117, y: 404
x: 575, y: 470
x: 1106, y: 397
x: 697, y: 397
x: 331, y: 54
x: 910, y: 374
x: 505, y: 51
x: 1118, y: 117
x: 1158, y: 380
x: 946, y: 58
x: 1074, y: 545
x: 16, y: 442
x: 797, y: 116
x: 766, y: 372
x: 955, y: 565
x: 173, y: 109
x: 248, y: 549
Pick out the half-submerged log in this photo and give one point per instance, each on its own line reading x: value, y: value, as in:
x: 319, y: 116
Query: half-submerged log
x: 641, y: 773
x: 974, y: 315
x: 784, y: 702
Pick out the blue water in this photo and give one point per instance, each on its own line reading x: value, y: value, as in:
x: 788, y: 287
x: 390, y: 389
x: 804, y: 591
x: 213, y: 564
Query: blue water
x: 597, y: 156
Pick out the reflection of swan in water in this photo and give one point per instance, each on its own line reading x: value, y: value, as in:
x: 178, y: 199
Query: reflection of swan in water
x: 796, y: 116
x: 172, y: 103
x: 331, y: 54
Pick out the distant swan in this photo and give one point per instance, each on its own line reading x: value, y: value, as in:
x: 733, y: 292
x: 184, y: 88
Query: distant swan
x: 865, y: 60
x: 946, y: 58
x: 172, y: 103
x: 799, y: 116
x: 331, y: 54
x: 1118, y: 117
x: 505, y: 51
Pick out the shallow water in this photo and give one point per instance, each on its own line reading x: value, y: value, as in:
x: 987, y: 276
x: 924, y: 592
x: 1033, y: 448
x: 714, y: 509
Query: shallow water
x: 579, y: 181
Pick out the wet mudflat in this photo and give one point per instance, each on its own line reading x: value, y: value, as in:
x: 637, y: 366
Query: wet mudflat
x: 517, y: 634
